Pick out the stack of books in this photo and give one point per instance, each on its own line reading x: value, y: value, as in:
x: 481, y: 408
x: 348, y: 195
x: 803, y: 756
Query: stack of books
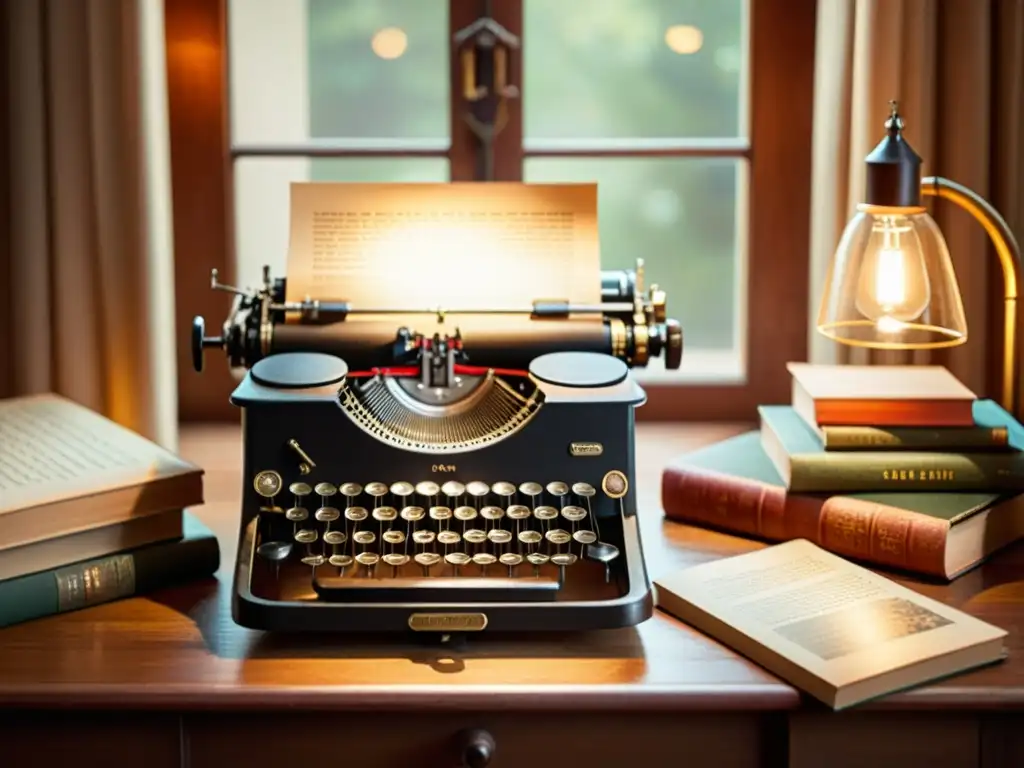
x: 91, y: 512
x: 898, y: 466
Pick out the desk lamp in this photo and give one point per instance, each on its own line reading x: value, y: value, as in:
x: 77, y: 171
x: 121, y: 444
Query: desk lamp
x: 891, y: 283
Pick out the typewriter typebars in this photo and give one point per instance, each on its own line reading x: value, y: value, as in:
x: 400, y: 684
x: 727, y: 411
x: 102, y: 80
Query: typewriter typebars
x: 402, y: 479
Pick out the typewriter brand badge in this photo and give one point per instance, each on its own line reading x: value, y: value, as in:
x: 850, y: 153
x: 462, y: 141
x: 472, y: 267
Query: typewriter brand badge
x: 586, y: 449
x: 447, y: 622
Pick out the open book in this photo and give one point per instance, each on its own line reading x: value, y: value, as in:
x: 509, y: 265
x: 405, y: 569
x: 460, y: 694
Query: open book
x: 835, y: 630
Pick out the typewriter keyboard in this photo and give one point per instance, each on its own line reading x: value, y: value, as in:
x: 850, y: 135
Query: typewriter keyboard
x: 400, y: 541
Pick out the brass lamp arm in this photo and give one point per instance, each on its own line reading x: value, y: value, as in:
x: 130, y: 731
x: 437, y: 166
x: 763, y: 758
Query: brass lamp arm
x: 1009, y: 258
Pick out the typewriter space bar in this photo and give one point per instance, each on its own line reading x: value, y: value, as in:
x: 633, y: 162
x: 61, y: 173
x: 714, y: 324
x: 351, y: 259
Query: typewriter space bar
x: 435, y: 589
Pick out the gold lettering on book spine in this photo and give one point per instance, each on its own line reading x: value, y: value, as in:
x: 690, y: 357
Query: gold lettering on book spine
x: 99, y: 581
x: 918, y: 475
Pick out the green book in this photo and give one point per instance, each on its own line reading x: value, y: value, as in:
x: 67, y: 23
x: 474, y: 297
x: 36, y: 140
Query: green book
x: 102, y: 580
x: 807, y: 467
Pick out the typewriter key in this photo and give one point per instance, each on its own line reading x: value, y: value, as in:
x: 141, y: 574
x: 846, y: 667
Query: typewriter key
x: 558, y: 537
x: 583, y: 489
x: 440, y: 513
x: 297, y: 514
x: 536, y: 559
x: 393, y: 537
x: 402, y: 488
x: 456, y: 558
x: 464, y: 513
x: 355, y: 514
x: 518, y: 512
x: 334, y: 538
x: 412, y: 513
x: 511, y: 559
x: 314, y: 560
x: 267, y: 483
x: 475, y: 536
x: 503, y: 489
x: 369, y: 559
x: 558, y: 488
x: 383, y: 514
x: 423, y: 537
x: 484, y: 558
x: 340, y: 561
x: 453, y: 488
x: 585, y: 537
x: 364, y: 537
x: 478, y: 489
x: 562, y: 560
x: 574, y: 514
x: 300, y: 489
x: 545, y: 513
x: 327, y: 514
x: 531, y: 489
x: 427, y: 559
x: 448, y: 537
x: 326, y: 489
x: 396, y: 561
x: 499, y: 536
x: 492, y: 513
x: 530, y: 537
x: 376, y: 489
x: 306, y: 536
x: 275, y: 552
x: 351, y: 489
x: 427, y: 488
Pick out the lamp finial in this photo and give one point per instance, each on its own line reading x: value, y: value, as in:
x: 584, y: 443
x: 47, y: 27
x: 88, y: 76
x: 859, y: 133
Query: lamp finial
x: 893, y: 168
x: 895, y: 123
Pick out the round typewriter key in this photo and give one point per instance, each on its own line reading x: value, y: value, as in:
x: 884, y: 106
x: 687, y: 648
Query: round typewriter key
x: 465, y: 513
x: 492, y: 513
x: 395, y: 559
x: 412, y: 513
x: 478, y: 488
x: 536, y: 558
x: 456, y: 558
x: 475, y: 536
x: 453, y: 488
x: 558, y: 488
x: 563, y: 559
x: 427, y: 488
x: 335, y: 537
x: 340, y: 561
x: 484, y: 558
x: 305, y: 536
x: 368, y: 558
x: 615, y: 484
x: 530, y: 537
x: 440, y: 513
x: 585, y: 537
x: 448, y: 537
x: 364, y: 537
x: 427, y: 559
x: 326, y: 489
x: 510, y: 559
x: 402, y: 488
x: 355, y: 514
x: 267, y: 483
x: 300, y: 489
x: 583, y: 489
x: 558, y: 537
x: 518, y: 512
x: 376, y: 489
x: 574, y: 514
x: 545, y: 513
x: 297, y: 514
x: 423, y: 537
x: 314, y: 560
x: 327, y: 514
x: 499, y: 536
x: 385, y: 513
x: 531, y: 489
x: 351, y: 489
x: 393, y: 537
x: 503, y: 488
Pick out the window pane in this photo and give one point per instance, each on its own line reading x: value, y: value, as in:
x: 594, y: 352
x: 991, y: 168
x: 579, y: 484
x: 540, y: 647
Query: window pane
x: 262, y: 196
x: 684, y: 217
x: 617, y: 69
x: 338, y: 69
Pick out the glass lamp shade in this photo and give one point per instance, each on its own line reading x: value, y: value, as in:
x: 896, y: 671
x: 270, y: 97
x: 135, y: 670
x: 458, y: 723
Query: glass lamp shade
x: 891, y: 284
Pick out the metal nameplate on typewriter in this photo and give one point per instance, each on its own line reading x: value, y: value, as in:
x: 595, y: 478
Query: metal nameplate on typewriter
x: 470, y: 472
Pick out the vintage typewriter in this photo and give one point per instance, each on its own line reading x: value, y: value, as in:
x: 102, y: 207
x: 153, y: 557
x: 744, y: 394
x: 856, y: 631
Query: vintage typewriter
x: 401, y: 478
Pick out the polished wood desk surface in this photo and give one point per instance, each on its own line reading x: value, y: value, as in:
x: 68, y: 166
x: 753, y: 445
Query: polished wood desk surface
x: 180, y: 648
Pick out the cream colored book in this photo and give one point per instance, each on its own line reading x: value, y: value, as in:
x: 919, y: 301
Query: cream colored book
x: 831, y: 628
x: 65, y: 469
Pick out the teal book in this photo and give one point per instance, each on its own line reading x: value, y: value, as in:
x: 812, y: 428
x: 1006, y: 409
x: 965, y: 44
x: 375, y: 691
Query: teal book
x: 994, y: 430
x: 196, y: 555
x: 806, y: 466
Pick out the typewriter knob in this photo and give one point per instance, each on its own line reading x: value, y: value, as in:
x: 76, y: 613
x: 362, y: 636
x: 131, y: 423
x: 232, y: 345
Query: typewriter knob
x: 476, y: 748
x: 201, y: 341
x: 673, y: 345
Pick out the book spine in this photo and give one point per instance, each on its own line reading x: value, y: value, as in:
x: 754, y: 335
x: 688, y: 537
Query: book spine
x: 106, y: 579
x: 853, y: 438
x: 869, y: 471
x: 873, y: 533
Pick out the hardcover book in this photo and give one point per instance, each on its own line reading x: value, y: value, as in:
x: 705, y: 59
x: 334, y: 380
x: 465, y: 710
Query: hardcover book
x: 831, y: 628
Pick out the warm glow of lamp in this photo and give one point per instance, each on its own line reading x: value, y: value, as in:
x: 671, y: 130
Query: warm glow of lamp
x: 891, y: 284
x: 684, y: 39
x: 389, y: 43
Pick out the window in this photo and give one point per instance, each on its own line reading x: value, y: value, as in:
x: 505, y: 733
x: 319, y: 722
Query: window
x: 693, y: 116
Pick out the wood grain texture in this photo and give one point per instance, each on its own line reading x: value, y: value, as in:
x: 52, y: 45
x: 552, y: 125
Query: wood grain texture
x: 179, y: 649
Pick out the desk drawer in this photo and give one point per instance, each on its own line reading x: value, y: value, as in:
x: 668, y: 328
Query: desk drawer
x: 432, y: 741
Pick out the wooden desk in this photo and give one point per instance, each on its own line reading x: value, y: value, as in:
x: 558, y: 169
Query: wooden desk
x: 170, y: 680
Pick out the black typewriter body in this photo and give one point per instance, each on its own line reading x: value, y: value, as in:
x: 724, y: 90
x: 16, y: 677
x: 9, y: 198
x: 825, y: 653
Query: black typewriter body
x: 430, y: 494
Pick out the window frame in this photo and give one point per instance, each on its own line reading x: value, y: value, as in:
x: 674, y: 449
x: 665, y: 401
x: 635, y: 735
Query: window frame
x: 778, y: 151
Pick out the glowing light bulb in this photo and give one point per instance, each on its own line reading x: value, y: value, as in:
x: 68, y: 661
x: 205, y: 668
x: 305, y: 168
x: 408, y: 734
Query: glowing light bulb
x: 893, y: 288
